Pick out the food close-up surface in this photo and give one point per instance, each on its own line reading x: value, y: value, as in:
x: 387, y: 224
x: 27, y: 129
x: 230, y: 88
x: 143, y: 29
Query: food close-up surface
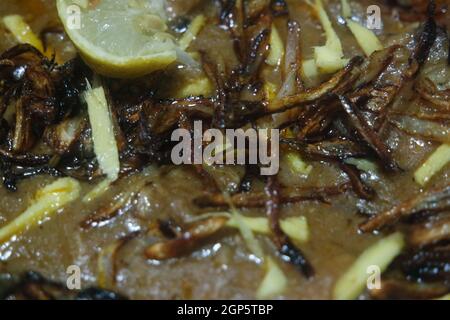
x: 93, y: 204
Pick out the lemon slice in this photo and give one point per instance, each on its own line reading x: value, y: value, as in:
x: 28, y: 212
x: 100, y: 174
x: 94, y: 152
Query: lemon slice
x: 119, y: 38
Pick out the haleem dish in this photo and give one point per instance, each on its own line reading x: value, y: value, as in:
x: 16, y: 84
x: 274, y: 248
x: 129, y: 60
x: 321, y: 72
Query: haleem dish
x: 224, y: 149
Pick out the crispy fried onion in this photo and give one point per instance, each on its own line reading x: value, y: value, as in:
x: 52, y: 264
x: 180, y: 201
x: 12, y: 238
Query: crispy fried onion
x: 288, y: 251
x: 107, y: 262
x: 35, y: 95
x: 258, y: 200
x: 63, y: 136
x: 427, y: 264
x: 190, y: 239
x: 119, y: 205
x: 429, y: 92
x: 30, y: 90
x: 368, y: 134
x: 337, y: 150
x: 431, y: 233
x: 431, y: 201
x: 33, y: 286
x: 399, y: 289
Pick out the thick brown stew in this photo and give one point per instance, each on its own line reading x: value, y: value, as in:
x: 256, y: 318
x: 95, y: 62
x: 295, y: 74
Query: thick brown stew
x: 364, y: 131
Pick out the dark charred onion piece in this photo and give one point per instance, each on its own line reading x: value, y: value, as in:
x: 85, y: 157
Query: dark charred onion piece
x: 377, y: 63
x: 405, y: 290
x: 247, y: 181
x: 316, y: 119
x: 250, y: 20
x: 147, y: 128
x: 258, y: 200
x: 336, y: 148
x: 338, y: 83
x: 431, y: 201
x: 431, y: 233
x: 85, y: 169
x: 257, y: 55
x: 26, y: 166
x: 62, y: 137
x: 24, y: 159
x: 359, y: 187
x: 158, y: 120
x: 291, y: 73
x: 190, y: 239
x: 427, y: 265
x: 33, y: 286
x: 70, y: 81
x: 108, y: 262
x: 109, y: 212
x: 231, y: 111
x: 169, y: 228
x: 81, y: 162
x: 244, y: 82
x: 99, y: 294
x: 29, y: 87
x: 429, y: 92
x: 288, y: 251
x: 317, y: 104
x: 221, y: 97
x: 246, y: 112
x: 23, y: 173
x: 427, y: 36
x: 378, y: 91
x: 35, y: 56
x: 233, y: 18
x: 7, y: 178
x: 368, y: 134
x: 375, y: 97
